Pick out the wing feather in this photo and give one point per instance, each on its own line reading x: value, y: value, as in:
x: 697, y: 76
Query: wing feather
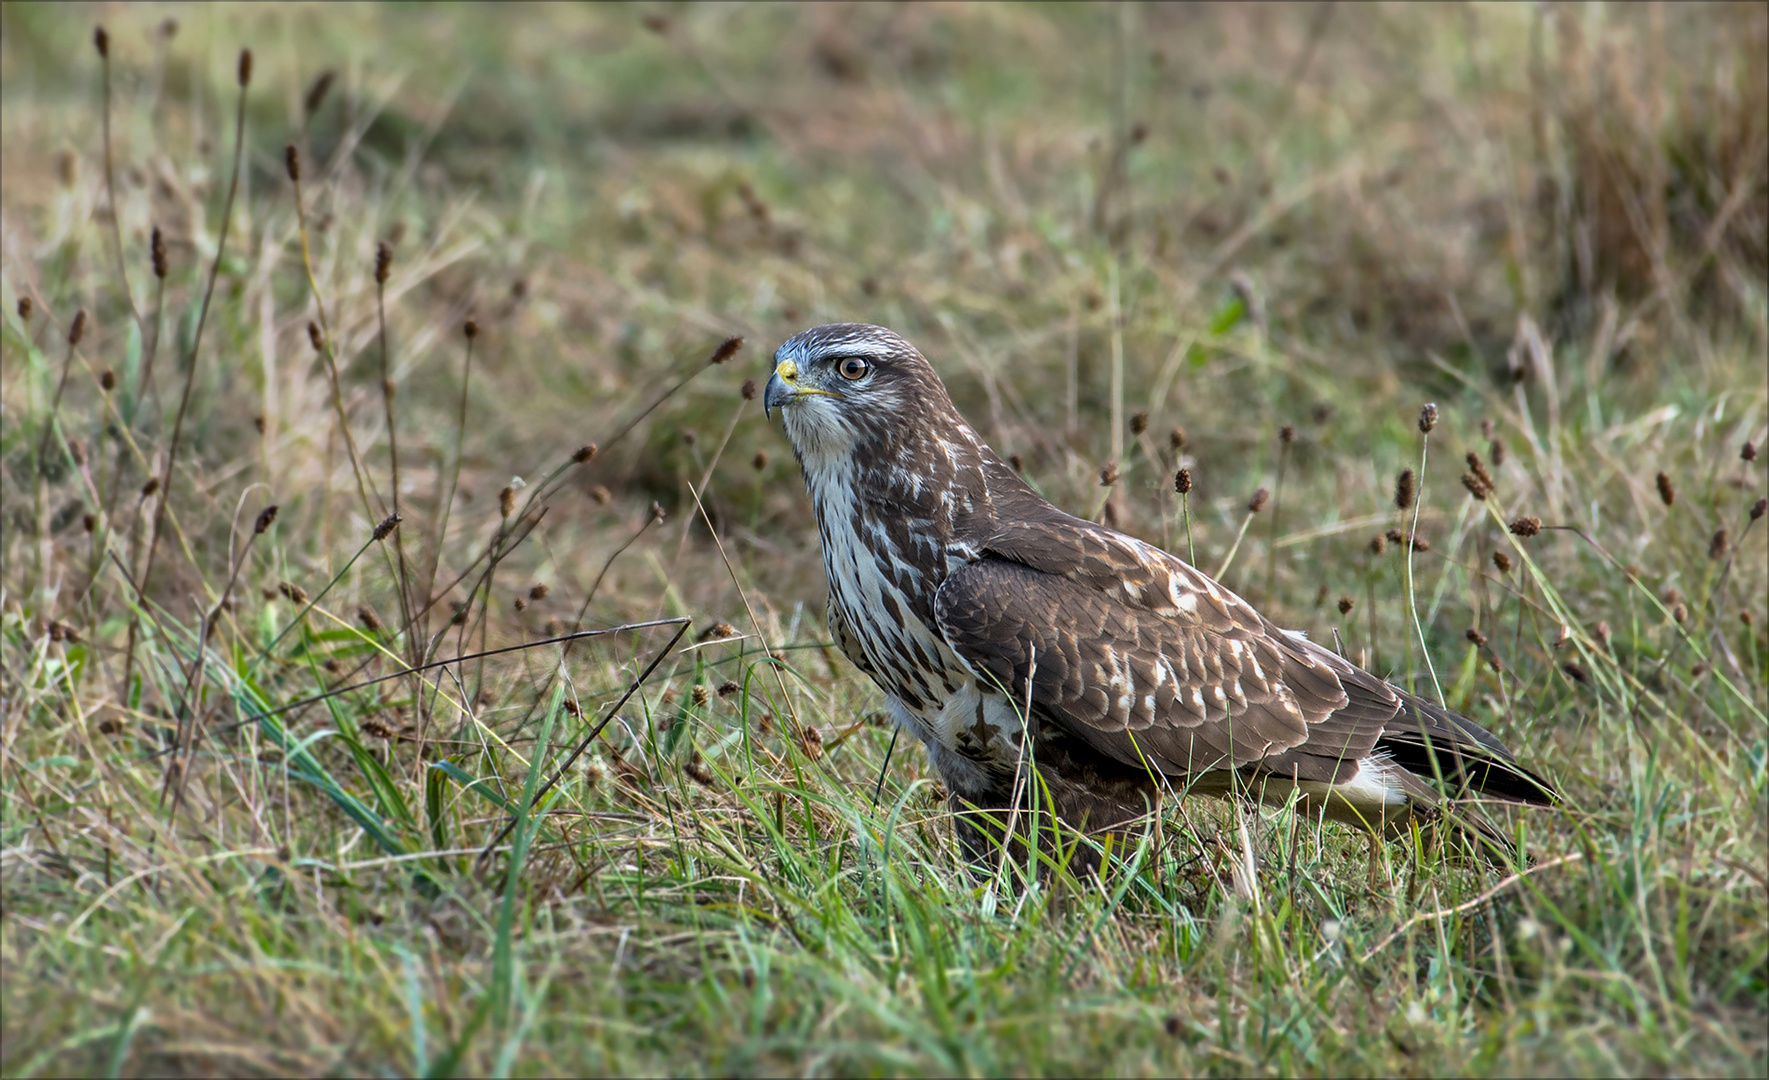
x: 1151, y: 661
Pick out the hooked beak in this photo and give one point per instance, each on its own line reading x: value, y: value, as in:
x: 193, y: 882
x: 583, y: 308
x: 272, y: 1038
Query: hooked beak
x: 783, y: 388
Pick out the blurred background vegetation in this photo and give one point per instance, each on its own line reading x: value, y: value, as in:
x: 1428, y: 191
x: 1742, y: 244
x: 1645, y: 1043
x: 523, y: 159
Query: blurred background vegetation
x: 1552, y: 220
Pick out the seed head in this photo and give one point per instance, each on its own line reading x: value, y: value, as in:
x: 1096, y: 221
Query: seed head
x: 600, y: 495
x: 1404, y: 489
x: 315, y: 337
x: 760, y: 461
x: 1497, y: 452
x: 726, y: 350
x: 1475, y: 636
x: 1759, y: 508
x: 107, y: 380
x: 1502, y: 562
x: 1258, y: 501
x: 506, y: 501
x: 1478, y: 489
x: 1108, y: 474
x: 813, y: 742
x: 156, y: 247
x: 376, y: 728
x: 152, y: 485
x: 537, y: 592
x: 386, y: 527
x: 77, y: 448
x: 1666, y: 493
x: 24, y: 308
x: 102, y: 41
x: 1748, y: 452
x: 1718, y: 545
x: 749, y: 390
x: 521, y: 604
x: 383, y: 262
x: 1139, y: 423
x: 245, y: 69
x: 1182, y: 481
x: 1345, y: 605
x: 369, y: 620
x: 316, y: 93
x: 1526, y: 526
x: 77, y: 328
x: 1680, y: 612
x: 89, y: 521
x: 583, y: 454
x: 1479, y: 470
x: 1576, y: 672
x: 1378, y: 544
x: 292, y: 162
x: 1419, y: 543
x: 1746, y: 618
x: 690, y: 437
x: 1395, y: 536
x: 265, y: 517
x: 1287, y: 434
x: 1176, y: 440
x: 696, y: 768
x: 470, y: 328
x: 701, y: 694
x: 295, y: 593
x: 1427, y: 419
x: 1603, y: 632
x: 729, y: 687
x: 1493, y: 661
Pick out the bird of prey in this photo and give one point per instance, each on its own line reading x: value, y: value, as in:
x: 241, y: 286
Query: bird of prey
x: 1020, y: 642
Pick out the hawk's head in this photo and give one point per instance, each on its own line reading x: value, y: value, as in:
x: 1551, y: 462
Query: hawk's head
x: 849, y: 388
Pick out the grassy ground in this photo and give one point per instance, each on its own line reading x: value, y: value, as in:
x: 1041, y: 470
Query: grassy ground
x: 1249, y: 241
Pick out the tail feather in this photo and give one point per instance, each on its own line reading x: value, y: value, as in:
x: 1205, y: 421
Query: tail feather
x: 1438, y: 745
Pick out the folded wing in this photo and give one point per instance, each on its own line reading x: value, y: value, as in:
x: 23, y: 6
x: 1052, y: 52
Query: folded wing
x: 1156, y: 665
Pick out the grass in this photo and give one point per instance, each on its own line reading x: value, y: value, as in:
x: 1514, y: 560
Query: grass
x: 224, y: 850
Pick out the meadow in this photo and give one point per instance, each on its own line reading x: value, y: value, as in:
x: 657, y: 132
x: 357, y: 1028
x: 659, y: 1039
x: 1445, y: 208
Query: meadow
x: 411, y: 644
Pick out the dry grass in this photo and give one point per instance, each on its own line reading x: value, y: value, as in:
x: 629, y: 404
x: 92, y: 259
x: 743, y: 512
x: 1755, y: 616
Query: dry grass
x: 1103, y: 225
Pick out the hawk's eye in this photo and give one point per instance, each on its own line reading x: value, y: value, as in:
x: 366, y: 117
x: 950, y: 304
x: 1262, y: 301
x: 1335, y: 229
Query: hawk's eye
x: 852, y: 368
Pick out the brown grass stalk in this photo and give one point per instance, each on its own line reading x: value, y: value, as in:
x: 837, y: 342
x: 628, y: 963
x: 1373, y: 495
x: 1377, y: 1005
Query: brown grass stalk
x: 101, y: 39
x: 165, y: 493
x: 365, y: 484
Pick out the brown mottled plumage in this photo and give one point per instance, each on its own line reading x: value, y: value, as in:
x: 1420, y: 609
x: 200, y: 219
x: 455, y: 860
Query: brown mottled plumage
x: 967, y: 597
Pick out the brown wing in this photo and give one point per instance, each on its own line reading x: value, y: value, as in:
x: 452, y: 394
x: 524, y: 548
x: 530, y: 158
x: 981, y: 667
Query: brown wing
x: 1151, y: 661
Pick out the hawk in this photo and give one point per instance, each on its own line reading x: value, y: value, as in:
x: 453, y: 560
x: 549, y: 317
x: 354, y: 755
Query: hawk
x: 1018, y: 641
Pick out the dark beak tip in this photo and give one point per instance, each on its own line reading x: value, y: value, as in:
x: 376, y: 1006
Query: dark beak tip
x: 774, y: 394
